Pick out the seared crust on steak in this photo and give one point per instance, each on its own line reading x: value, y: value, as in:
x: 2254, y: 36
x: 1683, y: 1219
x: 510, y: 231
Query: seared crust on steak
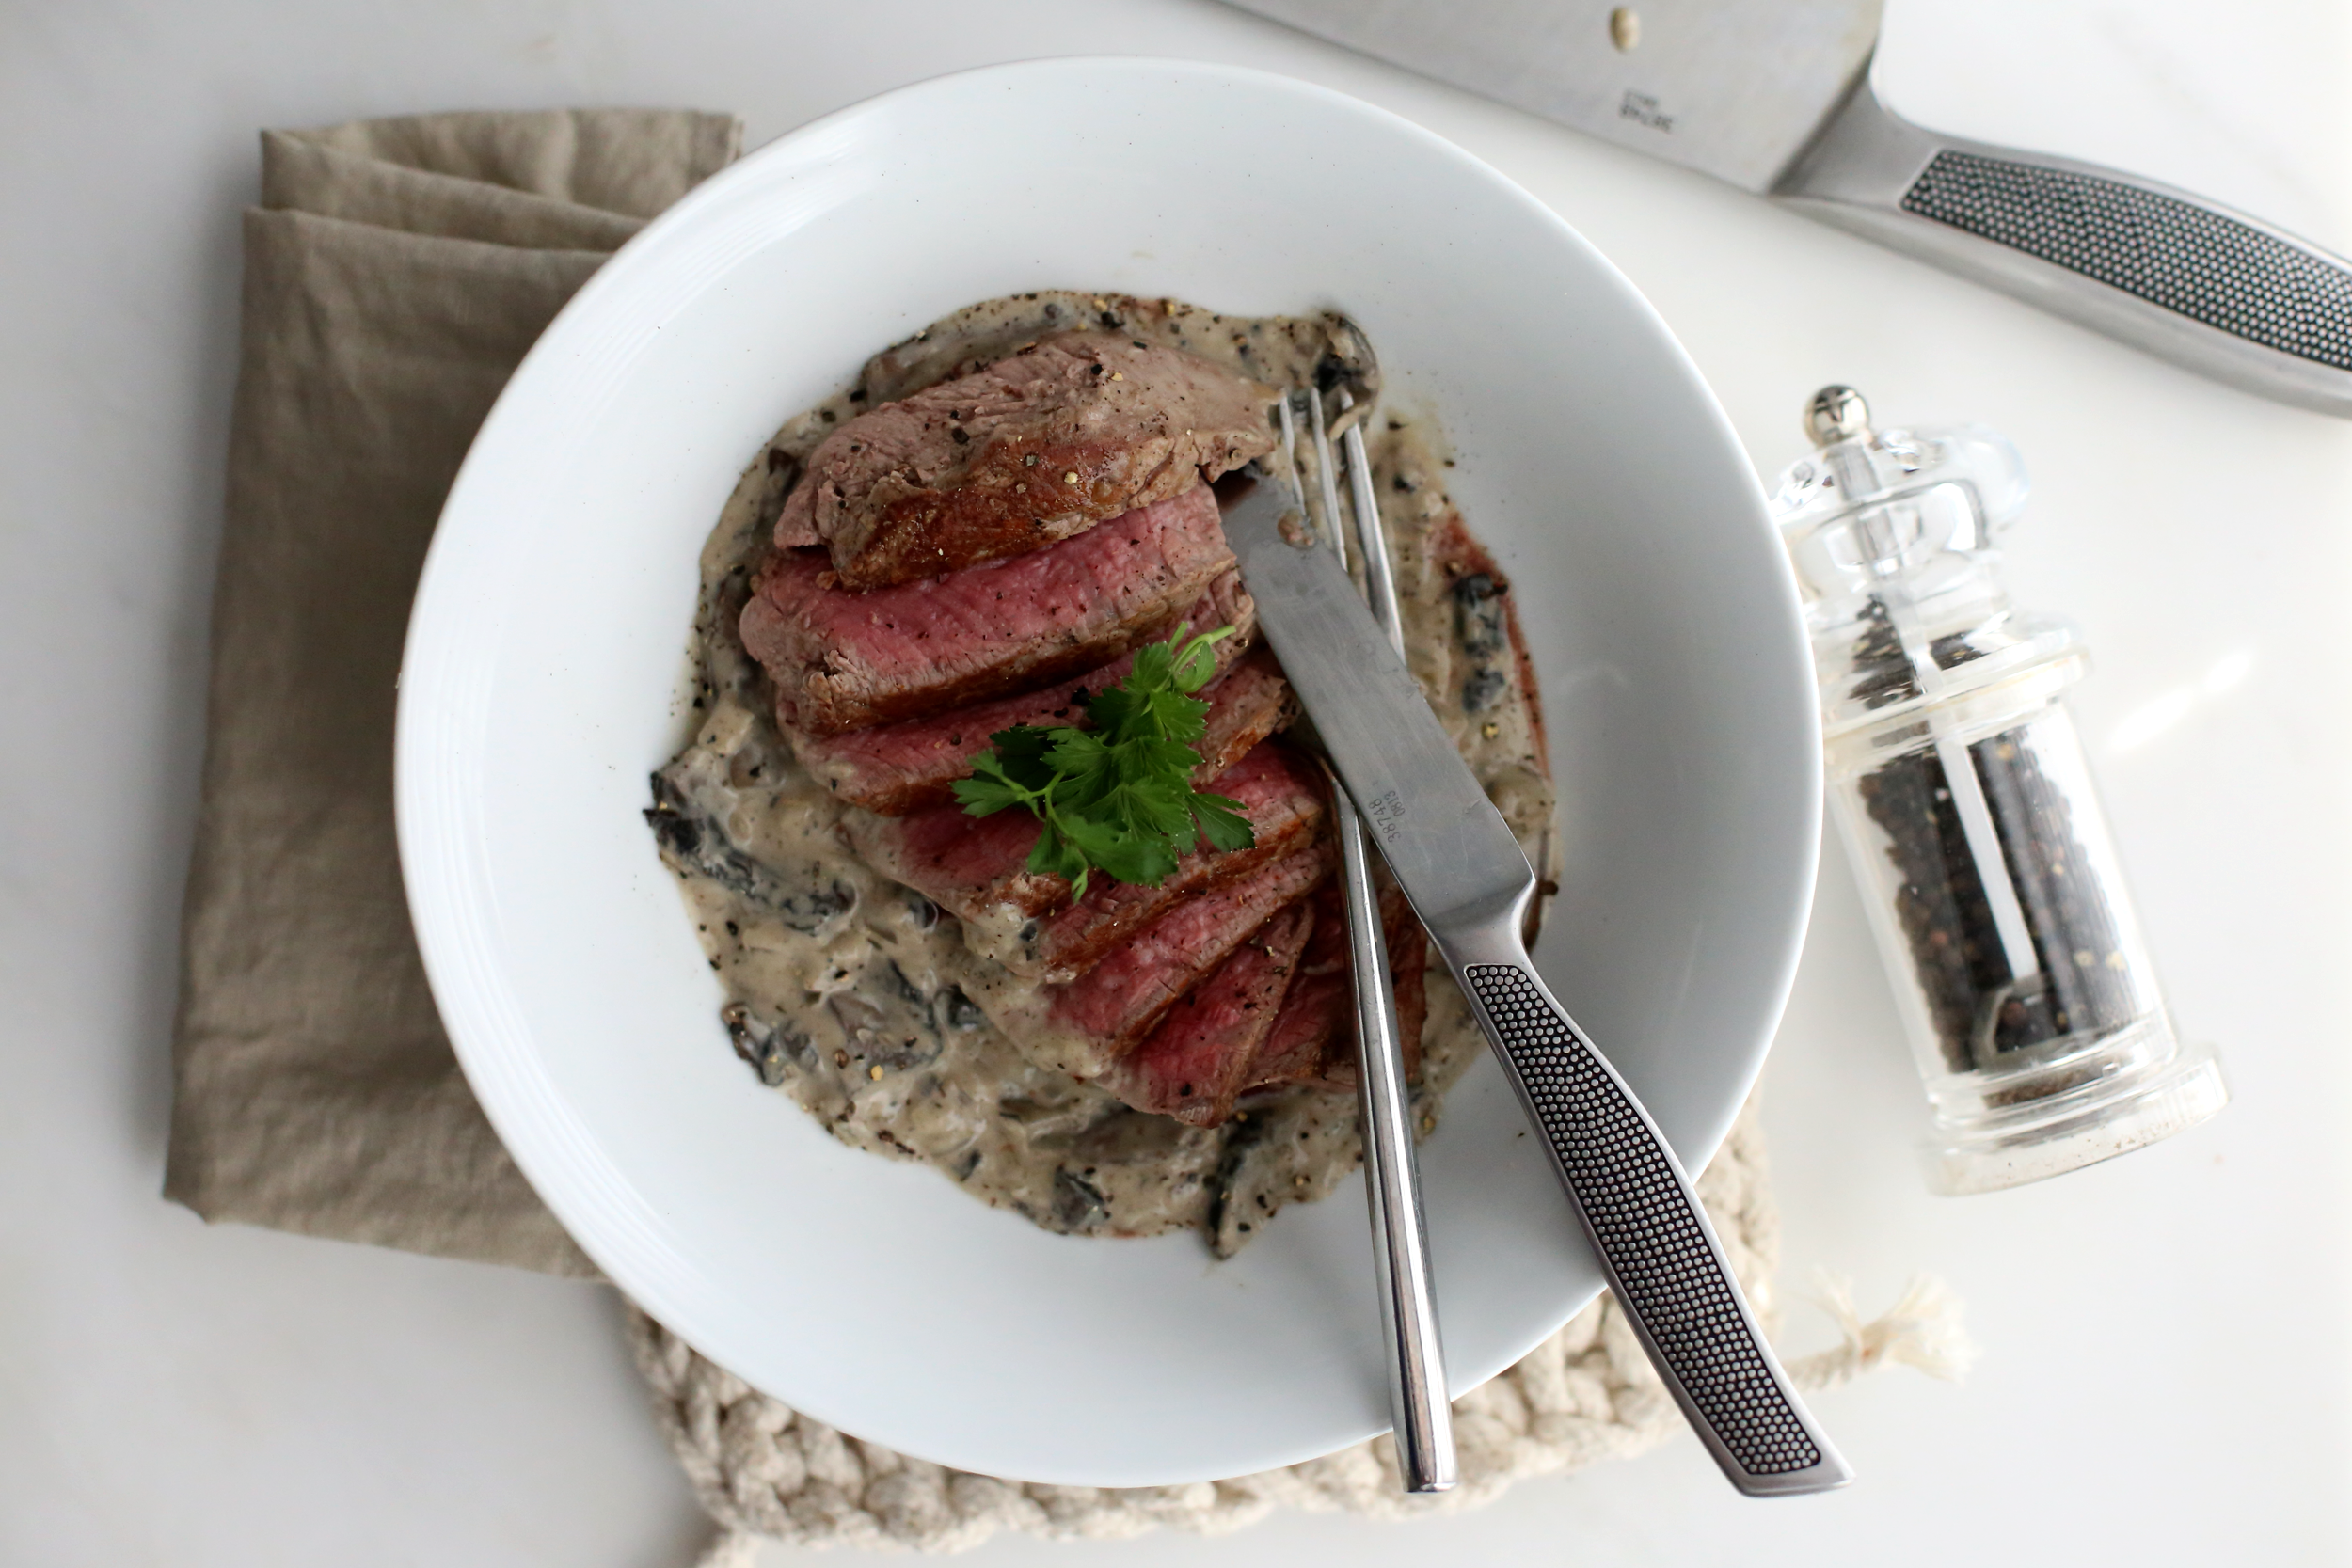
x: 843, y: 661
x: 1313, y: 1038
x: 1083, y: 1027
x: 898, y: 768
x: 1247, y: 703
x: 1196, y: 1061
x: 1069, y: 432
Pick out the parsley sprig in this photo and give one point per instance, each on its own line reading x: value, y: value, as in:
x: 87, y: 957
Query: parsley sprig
x: 1117, y: 798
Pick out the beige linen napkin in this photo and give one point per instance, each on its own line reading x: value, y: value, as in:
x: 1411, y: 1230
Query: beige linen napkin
x: 395, y: 272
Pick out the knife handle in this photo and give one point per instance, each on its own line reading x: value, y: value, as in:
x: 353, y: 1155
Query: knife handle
x: 2183, y: 277
x: 1656, y: 1246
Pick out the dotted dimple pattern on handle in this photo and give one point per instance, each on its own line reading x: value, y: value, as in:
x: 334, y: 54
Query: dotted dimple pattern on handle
x: 2202, y: 264
x: 1649, y: 1227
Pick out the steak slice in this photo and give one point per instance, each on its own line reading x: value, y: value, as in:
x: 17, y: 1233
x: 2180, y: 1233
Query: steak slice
x: 1313, y: 1038
x: 1069, y: 432
x: 1085, y: 1026
x: 843, y: 660
x: 977, y: 867
x: 897, y: 768
x: 1285, y: 799
x: 1196, y: 1061
x: 1247, y: 704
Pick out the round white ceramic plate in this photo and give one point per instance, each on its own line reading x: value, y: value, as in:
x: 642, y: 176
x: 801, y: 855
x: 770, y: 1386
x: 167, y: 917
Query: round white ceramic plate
x: 544, y: 658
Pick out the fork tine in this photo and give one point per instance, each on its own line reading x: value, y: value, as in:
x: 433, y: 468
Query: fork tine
x: 1290, y: 443
x: 1323, y: 478
x: 1372, y: 540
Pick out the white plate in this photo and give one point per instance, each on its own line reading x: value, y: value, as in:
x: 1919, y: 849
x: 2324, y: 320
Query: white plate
x: 537, y: 694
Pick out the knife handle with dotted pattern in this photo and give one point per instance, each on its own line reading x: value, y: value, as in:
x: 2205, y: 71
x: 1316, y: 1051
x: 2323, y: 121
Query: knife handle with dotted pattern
x: 1644, y: 1219
x: 2166, y: 271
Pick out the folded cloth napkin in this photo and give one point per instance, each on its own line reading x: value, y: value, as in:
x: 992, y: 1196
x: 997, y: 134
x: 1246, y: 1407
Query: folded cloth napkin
x: 395, y: 273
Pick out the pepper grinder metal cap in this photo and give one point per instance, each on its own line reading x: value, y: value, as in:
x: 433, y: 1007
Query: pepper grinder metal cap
x: 1835, y: 413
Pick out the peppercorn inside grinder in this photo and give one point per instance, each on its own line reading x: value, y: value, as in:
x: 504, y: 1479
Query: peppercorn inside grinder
x: 1960, y: 788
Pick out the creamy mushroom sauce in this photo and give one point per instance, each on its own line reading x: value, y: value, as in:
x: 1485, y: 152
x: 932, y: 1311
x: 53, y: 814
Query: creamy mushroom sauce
x: 865, y: 1003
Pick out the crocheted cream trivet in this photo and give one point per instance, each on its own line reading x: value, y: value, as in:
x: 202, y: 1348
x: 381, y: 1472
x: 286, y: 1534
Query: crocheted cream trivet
x: 1584, y: 1395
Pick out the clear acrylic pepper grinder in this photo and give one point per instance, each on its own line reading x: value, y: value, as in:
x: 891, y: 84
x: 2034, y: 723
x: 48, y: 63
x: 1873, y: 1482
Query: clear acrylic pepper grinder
x: 1959, y: 785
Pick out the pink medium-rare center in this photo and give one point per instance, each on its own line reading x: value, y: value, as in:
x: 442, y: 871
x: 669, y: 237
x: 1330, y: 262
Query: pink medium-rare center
x: 845, y: 660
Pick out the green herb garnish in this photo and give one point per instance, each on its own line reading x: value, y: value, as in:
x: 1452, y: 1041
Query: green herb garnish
x: 1118, y: 798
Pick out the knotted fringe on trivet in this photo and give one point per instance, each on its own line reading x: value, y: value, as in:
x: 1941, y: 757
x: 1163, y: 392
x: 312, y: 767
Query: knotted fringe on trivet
x: 1586, y: 1394
x: 1921, y: 1330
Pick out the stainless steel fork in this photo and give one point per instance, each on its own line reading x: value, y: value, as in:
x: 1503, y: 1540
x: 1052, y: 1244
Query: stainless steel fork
x: 1469, y: 881
x: 1418, y: 1407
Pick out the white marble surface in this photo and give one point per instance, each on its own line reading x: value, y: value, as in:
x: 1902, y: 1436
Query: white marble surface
x: 2165, y: 1375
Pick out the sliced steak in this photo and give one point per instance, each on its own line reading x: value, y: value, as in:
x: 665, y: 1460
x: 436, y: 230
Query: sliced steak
x: 896, y: 769
x: 1247, y: 703
x: 1085, y: 1026
x: 1199, y: 1059
x: 845, y: 660
x: 977, y: 868
x: 1282, y: 794
x: 1068, y: 433
x: 1313, y: 1038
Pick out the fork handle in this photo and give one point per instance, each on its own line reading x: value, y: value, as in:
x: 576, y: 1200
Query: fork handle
x: 1423, y: 1419
x: 1638, y: 1209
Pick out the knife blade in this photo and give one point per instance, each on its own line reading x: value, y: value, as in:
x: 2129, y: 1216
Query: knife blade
x: 1775, y: 96
x: 1469, y: 883
x: 1735, y: 89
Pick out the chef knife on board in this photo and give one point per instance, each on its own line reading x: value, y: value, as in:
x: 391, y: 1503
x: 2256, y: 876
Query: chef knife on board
x: 1469, y: 883
x: 1773, y: 96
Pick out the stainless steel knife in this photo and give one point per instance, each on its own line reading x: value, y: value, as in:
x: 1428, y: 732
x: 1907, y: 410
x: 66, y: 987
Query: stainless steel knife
x: 1773, y: 96
x: 1469, y: 881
